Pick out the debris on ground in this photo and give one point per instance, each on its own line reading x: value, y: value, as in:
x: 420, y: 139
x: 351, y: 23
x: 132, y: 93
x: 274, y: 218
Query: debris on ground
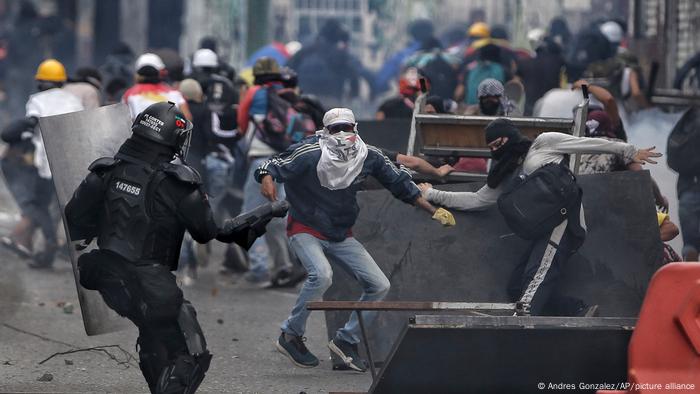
x: 68, y: 308
x: 47, y: 377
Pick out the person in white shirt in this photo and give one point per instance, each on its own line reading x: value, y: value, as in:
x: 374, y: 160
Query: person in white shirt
x: 150, y: 88
x: 51, y: 99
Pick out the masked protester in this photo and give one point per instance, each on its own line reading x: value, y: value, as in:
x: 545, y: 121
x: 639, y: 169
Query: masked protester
x: 492, y: 100
x: 514, y: 155
x: 138, y: 205
x: 322, y: 176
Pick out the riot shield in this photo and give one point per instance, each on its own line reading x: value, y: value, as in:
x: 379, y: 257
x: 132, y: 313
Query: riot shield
x: 72, y: 142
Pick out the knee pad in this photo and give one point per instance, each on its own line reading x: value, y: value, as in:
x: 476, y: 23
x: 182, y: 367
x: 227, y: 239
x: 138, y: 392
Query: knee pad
x: 152, y: 362
x: 191, y: 330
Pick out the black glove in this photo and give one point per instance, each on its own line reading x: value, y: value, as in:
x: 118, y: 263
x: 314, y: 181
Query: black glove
x: 244, y: 237
x: 244, y: 229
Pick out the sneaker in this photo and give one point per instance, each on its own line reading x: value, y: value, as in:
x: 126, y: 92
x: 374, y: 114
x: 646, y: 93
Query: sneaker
x: 348, y: 354
x: 43, y: 260
x: 296, y: 351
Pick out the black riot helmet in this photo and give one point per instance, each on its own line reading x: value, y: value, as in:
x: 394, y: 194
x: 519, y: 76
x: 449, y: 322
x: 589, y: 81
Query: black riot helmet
x: 164, y: 124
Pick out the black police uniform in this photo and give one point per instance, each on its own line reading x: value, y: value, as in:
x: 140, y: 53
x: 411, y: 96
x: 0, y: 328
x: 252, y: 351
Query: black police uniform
x: 138, y: 206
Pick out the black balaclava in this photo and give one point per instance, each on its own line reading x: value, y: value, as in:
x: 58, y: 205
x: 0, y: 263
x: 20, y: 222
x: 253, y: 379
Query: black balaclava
x: 140, y: 149
x: 490, y: 107
x: 510, y: 155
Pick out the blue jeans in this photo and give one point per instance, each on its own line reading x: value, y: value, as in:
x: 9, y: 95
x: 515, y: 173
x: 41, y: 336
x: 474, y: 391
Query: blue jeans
x: 217, y: 179
x: 689, y: 214
x: 351, y: 256
x: 274, y: 242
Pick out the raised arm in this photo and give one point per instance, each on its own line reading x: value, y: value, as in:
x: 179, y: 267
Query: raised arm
x: 567, y: 144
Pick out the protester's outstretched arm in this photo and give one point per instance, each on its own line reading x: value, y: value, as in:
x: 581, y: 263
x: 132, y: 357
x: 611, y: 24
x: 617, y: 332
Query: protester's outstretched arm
x: 420, y: 165
x: 442, y: 215
x: 463, y: 201
x: 561, y: 143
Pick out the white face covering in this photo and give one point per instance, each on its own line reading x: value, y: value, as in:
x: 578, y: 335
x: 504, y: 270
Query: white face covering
x: 342, y: 157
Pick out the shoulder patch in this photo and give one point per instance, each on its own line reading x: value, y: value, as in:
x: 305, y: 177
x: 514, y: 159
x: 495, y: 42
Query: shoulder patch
x: 102, y: 164
x: 183, y: 173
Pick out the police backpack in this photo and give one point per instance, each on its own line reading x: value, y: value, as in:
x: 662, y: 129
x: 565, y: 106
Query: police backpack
x: 533, y: 205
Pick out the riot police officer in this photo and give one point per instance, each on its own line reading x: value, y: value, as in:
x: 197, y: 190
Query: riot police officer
x: 137, y: 205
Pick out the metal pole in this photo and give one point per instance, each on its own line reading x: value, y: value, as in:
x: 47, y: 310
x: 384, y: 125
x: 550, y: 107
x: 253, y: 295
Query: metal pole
x: 417, y: 108
x: 579, y: 125
x: 364, y: 340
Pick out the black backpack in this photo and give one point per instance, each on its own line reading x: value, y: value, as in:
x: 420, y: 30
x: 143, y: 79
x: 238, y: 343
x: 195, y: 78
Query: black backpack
x: 684, y: 144
x: 283, y: 125
x: 535, y: 204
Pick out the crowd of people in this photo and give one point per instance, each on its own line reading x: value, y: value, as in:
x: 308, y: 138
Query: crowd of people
x: 279, y: 130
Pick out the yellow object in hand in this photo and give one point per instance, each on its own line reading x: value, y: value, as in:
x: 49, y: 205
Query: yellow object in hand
x: 444, y: 216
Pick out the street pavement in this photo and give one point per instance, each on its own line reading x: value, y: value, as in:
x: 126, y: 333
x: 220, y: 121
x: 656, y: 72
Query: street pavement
x: 40, y: 316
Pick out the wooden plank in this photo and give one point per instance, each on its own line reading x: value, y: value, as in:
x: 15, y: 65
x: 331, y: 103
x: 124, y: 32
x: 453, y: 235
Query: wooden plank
x: 503, y: 322
x: 405, y: 306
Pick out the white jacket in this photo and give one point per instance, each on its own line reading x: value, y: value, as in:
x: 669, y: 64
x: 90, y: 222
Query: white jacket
x: 50, y: 102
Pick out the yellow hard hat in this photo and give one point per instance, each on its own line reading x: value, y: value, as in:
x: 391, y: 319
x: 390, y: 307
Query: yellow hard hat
x: 247, y: 76
x: 480, y: 30
x: 51, y: 70
x: 266, y: 66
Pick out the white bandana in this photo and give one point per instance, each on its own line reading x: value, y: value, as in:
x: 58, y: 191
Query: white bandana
x: 342, y: 157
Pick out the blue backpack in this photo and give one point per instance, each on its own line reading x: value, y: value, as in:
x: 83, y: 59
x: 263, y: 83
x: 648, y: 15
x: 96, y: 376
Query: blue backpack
x: 483, y: 70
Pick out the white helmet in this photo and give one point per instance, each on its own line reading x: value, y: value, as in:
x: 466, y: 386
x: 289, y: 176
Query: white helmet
x: 292, y: 47
x: 149, y: 59
x: 535, y: 37
x: 205, y: 58
x: 612, y: 31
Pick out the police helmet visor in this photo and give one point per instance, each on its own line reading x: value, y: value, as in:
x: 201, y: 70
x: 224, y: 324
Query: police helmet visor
x: 184, y: 135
